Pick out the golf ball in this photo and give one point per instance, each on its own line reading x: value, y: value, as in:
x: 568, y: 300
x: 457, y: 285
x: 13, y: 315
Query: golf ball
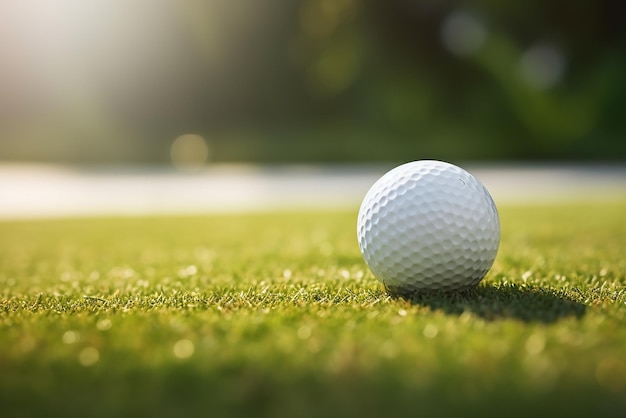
x: 428, y: 226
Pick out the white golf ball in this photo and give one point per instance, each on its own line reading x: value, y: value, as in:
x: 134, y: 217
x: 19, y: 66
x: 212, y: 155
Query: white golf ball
x: 428, y: 226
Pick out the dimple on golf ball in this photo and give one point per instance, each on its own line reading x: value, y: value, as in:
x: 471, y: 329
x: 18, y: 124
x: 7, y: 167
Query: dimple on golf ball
x: 428, y: 226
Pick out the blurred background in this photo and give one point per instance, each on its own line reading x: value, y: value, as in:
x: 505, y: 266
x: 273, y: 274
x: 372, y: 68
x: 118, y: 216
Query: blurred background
x: 197, y: 81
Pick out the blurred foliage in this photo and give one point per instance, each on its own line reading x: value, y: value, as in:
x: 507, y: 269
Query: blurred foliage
x: 317, y: 80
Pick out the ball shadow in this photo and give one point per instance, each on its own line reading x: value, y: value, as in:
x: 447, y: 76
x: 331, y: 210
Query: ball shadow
x: 496, y: 302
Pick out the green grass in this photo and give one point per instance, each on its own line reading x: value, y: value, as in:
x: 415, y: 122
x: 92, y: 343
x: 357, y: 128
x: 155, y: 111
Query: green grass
x: 277, y: 315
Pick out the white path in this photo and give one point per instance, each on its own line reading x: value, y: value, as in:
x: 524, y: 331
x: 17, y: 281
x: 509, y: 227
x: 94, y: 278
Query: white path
x: 44, y: 191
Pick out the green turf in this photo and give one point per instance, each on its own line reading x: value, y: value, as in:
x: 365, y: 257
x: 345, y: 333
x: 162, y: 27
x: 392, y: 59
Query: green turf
x: 277, y: 315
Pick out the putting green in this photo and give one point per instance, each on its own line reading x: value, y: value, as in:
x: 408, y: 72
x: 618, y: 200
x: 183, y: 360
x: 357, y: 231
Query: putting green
x: 277, y: 315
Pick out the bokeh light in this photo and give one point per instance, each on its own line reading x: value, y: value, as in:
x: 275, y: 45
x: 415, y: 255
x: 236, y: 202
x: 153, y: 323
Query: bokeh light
x: 542, y: 66
x: 462, y: 33
x: 189, y: 152
x: 183, y: 349
x: 113, y: 81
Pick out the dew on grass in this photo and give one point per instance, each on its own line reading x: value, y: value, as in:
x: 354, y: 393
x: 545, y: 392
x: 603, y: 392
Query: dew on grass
x: 304, y: 332
x: 183, y: 349
x: 187, y: 271
x: 70, y: 337
x: 535, y: 344
x: 122, y: 272
x: 430, y: 331
x: 104, y: 324
x: 88, y: 356
x: 322, y: 314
